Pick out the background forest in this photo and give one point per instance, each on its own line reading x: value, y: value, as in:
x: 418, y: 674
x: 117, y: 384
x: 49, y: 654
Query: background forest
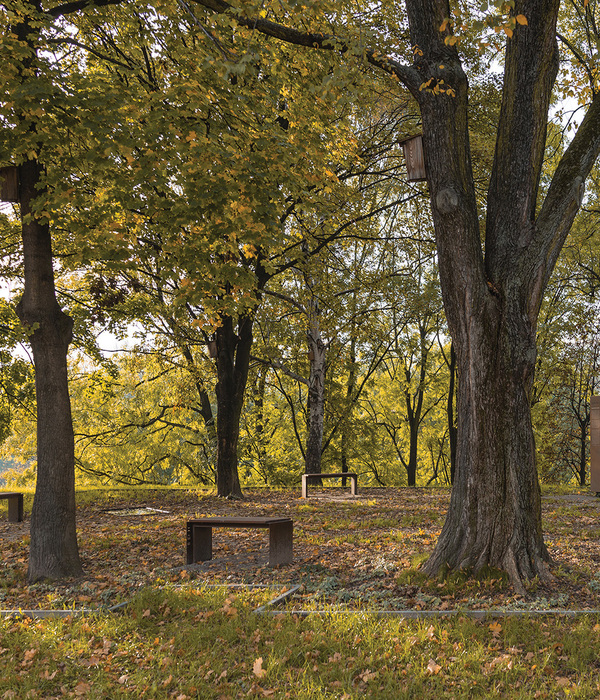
x: 195, y: 184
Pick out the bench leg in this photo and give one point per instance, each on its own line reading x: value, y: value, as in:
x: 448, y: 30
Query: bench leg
x: 15, y: 508
x: 281, y: 537
x: 353, y: 485
x: 199, y: 543
x: 304, y: 486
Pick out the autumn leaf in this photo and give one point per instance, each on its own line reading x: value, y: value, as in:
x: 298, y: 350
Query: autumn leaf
x: 433, y: 668
x: 521, y: 19
x: 495, y: 628
x: 257, y: 669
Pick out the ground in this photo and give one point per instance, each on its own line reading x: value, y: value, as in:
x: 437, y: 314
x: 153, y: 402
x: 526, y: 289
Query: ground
x: 349, y: 552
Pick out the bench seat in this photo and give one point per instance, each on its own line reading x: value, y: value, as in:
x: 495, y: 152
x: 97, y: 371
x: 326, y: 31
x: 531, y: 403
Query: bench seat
x: 199, y: 536
x: 337, y: 475
x: 15, y: 506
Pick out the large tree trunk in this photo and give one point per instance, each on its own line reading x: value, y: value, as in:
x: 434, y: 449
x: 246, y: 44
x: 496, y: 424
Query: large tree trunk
x: 53, y: 550
x: 233, y: 360
x: 491, y: 305
x: 495, y: 511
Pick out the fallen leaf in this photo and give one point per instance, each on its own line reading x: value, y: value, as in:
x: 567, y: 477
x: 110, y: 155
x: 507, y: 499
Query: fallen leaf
x: 495, y: 628
x: 433, y: 668
x: 257, y: 669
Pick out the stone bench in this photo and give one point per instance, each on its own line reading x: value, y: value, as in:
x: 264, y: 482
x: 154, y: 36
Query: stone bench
x: 350, y: 475
x: 15, y: 506
x: 199, y: 536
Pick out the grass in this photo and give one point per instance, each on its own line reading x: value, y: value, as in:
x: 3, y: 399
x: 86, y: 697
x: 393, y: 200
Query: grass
x: 181, y: 641
x: 178, y: 638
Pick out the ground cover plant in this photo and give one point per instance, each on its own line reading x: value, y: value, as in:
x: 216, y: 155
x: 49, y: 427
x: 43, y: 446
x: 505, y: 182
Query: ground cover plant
x: 180, y: 636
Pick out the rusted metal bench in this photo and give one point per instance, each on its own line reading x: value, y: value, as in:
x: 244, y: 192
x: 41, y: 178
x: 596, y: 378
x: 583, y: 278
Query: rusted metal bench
x: 199, y: 537
x: 338, y: 475
x: 15, y: 506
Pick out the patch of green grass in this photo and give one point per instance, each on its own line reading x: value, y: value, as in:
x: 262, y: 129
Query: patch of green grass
x: 182, y: 642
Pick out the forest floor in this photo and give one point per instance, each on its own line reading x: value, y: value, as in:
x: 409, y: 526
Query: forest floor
x: 349, y: 552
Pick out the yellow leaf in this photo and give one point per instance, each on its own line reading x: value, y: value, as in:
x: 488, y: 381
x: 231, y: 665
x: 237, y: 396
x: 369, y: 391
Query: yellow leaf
x: 257, y: 669
x: 444, y: 24
x: 521, y: 19
x: 450, y: 40
x: 508, y: 31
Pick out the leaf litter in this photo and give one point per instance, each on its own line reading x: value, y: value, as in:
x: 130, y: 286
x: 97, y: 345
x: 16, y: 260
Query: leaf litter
x: 349, y: 552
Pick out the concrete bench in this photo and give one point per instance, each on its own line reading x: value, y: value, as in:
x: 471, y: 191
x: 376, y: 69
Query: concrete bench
x: 338, y: 475
x: 199, y: 537
x: 15, y: 506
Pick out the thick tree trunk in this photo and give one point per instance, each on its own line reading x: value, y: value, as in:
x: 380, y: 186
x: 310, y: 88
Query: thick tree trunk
x: 495, y: 511
x: 233, y: 360
x: 53, y: 550
x: 491, y: 303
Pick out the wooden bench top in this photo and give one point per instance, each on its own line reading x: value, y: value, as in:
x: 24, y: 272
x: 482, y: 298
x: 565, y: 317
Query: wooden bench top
x: 6, y: 494
x: 336, y: 474
x: 239, y: 521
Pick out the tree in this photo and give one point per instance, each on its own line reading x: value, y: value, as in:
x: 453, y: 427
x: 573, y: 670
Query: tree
x: 493, y: 292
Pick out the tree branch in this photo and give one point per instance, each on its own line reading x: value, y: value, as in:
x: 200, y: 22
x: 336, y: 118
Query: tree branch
x: 317, y: 40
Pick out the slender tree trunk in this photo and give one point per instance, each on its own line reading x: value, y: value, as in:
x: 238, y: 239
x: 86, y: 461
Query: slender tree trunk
x: 233, y: 360
x: 452, y: 432
x: 350, y: 389
x: 316, y: 401
x: 53, y: 550
x: 205, y: 406
x: 583, y: 447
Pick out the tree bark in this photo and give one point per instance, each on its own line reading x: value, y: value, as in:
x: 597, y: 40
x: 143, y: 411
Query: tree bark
x: 53, y: 551
x: 316, y: 391
x: 233, y: 360
x: 452, y: 432
x: 491, y: 305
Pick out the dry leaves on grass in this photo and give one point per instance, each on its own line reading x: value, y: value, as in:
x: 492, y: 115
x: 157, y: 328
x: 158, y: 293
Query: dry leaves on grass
x: 348, y: 551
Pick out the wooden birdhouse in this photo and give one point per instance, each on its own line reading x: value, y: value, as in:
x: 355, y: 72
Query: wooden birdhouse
x: 212, y: 348
x: 9, y: 184
x: 415, y: 160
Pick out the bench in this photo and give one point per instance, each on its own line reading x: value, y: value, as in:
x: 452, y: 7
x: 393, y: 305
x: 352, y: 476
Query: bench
x: 338, y: 475
x: 199, y: 537
x: 15, y: 506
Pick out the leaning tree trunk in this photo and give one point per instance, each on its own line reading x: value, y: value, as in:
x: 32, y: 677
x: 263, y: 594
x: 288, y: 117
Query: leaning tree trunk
x: 53, y: 550
x: 233, y: 359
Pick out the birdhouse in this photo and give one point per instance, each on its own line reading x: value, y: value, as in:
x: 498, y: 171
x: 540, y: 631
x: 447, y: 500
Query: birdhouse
x: 212, y: 348
x: 415, y: 160
x: 9, y: 184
